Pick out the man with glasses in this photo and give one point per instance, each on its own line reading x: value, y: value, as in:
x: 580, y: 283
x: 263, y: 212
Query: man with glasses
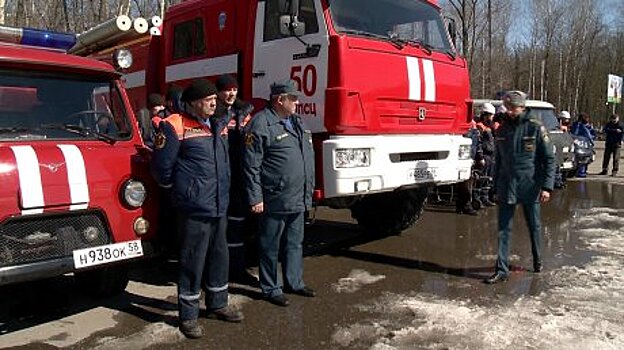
x: 278, y: 174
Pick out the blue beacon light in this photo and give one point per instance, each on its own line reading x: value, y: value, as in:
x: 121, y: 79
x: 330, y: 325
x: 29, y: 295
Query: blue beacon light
x: 41, y: 38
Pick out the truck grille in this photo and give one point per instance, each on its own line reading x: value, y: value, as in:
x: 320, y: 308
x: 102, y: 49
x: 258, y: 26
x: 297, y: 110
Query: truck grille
x: 29, y: 239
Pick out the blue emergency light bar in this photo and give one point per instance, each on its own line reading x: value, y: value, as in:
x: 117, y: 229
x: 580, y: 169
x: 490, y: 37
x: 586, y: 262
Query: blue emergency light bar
x: 37, y: 37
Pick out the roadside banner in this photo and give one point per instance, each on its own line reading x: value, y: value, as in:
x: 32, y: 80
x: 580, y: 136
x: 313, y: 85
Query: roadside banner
x: 614, y: 89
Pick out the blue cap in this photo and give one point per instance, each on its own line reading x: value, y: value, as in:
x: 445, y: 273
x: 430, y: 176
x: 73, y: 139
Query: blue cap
x: 284, y: 87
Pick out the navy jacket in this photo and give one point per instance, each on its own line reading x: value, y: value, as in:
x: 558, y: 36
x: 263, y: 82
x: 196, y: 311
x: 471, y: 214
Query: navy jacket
x: 192, y: 158
x: 236, y: 119
x: 278, y: 164
x: 525, y: 163
x: 614, y: 132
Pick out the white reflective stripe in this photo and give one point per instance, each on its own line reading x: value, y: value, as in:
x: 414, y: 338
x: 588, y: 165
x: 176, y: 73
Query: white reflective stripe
x: 236, y: 218
x: 165, y: 186
x: 236, y: 245
x: 31, y: 189
x: 202, y: 68
x: 133, y: 80
x: 413, y: 75
x: 218, y: 289
x: 76, y: 177
x: 430, y: 83
x: 190, y: 297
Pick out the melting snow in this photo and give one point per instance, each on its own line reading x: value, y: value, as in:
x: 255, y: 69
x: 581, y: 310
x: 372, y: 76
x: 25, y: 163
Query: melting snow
x: 580, y: 309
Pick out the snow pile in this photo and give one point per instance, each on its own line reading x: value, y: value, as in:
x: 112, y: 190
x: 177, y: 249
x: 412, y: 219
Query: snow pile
x: 580, y: 309
x: 356, y: 279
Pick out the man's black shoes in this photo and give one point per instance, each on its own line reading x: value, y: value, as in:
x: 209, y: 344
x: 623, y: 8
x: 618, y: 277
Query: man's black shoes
x: 227, y: 314
x: 304, y: 292
x: 495, y: 278
x: 279, y: 300
x: 191, y: 329
x: 604, y: 172
x: 537, y: 267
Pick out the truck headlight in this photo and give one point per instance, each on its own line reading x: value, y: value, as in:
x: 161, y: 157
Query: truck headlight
x: 122, y: 58
x: 352, y: 157
x: 464, y: 152
x: 133, y: 192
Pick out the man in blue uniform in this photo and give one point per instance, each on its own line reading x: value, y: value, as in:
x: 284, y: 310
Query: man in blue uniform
x: 278, y: 170
x: 236, y: 114
x: 191, y: 157
x: 524, y: 174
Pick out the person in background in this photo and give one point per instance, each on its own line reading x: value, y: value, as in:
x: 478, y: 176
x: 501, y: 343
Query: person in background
x: 236, y: 114
x: 583, y: 127
x: 191, y: 157
x: 278, y: 170
x: 463, y: 202
x: 155, y: 104
x: 564, y: 121
x: 613, y: 130
x: 525, y: 171
x: 486, y: 139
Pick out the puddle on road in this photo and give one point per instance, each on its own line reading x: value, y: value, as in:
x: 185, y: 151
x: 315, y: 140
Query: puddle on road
x: 573, y: 304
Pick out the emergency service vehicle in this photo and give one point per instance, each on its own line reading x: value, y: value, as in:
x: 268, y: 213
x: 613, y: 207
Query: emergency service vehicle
x: 73, y: 170
x: 383, y: 89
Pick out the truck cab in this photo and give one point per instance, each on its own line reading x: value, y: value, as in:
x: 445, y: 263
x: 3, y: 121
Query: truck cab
x: 383, y: 89
x: 74, y: 171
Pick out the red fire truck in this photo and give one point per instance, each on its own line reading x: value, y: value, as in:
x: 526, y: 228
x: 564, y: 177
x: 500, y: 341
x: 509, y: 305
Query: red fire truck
x: 73, y: 169
x: 384, y: 91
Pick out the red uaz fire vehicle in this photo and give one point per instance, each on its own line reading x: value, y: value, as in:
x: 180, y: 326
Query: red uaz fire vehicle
x: 73, y: 169
x: 383, y: 89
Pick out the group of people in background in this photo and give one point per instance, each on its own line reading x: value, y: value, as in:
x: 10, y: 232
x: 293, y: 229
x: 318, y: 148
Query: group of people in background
x: 221, y: 170
x: 613, y: 133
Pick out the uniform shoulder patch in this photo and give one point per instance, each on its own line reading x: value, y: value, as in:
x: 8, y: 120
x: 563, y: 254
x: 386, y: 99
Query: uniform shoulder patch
x: 249, y: 139
x: 160, y: 140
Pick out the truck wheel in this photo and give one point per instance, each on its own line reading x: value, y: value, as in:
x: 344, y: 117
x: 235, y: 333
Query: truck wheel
x: 103, y: 282
x: 389, y: 213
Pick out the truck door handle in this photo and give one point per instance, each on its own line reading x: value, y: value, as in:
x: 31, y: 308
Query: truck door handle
x: 258, y: 74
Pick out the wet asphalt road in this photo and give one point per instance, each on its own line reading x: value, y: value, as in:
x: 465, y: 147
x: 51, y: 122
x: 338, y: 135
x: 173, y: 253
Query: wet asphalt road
x: 419, y: 290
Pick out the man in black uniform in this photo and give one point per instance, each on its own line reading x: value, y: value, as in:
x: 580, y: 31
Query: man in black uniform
x: 524, y: 174
x: 278, y: 170
x: 614, y: 131
x: 191, y: 157
x: 236, y: 114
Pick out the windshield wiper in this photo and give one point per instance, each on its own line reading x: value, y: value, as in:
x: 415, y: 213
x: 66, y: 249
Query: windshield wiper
x: 13, y: 129
x: 398, y: 43
x: 80, y: 130
x: 428, y: 49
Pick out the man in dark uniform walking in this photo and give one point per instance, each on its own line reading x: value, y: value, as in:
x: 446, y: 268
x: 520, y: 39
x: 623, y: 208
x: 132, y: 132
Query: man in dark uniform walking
x: 191, y: 157
x: 236, y: 114
x: 278, y: 168
x: 524, y: 174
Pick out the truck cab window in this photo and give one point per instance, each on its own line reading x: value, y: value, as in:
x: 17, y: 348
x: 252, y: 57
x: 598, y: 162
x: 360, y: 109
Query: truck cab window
x: 276, y: 8
x: 188, y: 39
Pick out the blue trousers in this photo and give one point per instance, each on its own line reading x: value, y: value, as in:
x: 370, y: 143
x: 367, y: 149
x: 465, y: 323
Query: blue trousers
x: 203, y: 265
x: 280, y: 236
x: 505, y: 223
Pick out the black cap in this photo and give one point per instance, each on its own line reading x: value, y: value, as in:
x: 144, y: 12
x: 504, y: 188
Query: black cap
x: 226, y: 82
x: 198, y: 89
x: 154, y: 100
x: 173, y: 92
x: 284, y: 87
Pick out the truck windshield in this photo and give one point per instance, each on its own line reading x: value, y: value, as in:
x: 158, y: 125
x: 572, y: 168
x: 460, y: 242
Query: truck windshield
x: 413, y: 21
x: 46, y: 106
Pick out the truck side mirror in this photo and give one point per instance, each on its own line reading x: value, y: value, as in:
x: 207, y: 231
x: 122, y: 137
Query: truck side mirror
x: 290, y: 25
x: 452, y: 29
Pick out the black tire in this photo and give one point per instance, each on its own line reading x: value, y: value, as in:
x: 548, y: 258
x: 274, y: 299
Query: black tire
x: 390, y: 213
x: 103, y: 282
x: 476, y: 204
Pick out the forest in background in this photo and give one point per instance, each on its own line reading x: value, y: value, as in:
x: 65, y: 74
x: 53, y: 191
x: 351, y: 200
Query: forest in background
x: 560, y: 51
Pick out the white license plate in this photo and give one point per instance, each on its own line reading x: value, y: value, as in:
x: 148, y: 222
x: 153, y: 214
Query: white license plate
x: 567, y: 165
x: 107, y: 253
x: 421, y: 174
